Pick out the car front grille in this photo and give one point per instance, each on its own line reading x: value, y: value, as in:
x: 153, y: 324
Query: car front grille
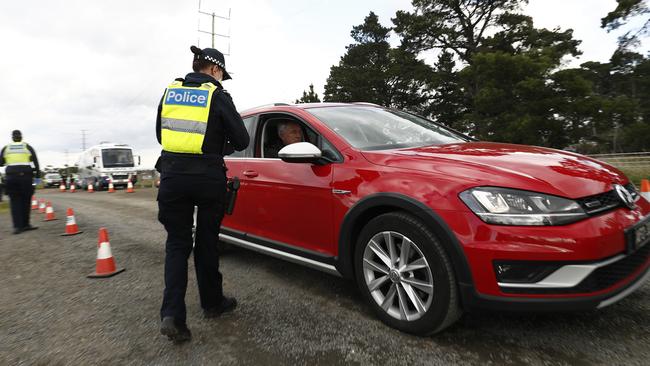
x: 120, y: 176
x: 600, y: 279
x: 604, y: 202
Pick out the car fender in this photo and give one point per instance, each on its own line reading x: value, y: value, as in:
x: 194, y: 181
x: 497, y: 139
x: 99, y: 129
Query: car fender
x: 388, y: 201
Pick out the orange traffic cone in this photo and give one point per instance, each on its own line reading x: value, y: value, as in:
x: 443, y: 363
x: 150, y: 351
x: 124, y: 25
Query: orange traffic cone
x: 49, y: 212
x: 91, y: 189
x: 72, y: 188
x: 34, y: 203
x: 105, y: 264
x: 62, y: 187
x: 71, y: 227
x: 129, y: 187
x: 41, y: 206
x: 645, y: 189
x: 111, y: 187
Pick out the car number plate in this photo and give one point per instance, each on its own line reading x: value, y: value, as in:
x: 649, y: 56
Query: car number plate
x: 638, y: 235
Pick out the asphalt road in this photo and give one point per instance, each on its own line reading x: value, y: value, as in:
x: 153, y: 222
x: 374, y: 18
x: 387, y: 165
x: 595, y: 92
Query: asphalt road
x: 51, y: 314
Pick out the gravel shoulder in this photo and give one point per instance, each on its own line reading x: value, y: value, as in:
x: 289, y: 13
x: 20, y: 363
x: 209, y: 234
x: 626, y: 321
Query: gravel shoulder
x: 51, y: 314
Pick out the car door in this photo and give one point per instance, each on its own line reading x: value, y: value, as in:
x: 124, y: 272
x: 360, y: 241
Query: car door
x: 236, y: 163
x: 286, y: 204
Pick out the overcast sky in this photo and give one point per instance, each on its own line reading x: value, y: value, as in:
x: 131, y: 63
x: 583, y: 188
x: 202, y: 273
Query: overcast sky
x: 101, y: 66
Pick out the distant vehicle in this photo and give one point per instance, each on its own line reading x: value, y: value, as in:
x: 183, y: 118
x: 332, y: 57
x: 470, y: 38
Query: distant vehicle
x: 52, y: 180
x: 107, y: 162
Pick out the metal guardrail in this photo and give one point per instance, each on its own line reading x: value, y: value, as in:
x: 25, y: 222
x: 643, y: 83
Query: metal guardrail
x: 626, y: 160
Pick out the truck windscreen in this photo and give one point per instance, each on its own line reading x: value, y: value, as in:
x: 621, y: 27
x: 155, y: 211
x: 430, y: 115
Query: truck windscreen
x: 113, y: 158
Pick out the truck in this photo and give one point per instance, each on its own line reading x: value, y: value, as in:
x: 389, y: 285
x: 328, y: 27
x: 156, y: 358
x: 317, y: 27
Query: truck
x: 106, y: 162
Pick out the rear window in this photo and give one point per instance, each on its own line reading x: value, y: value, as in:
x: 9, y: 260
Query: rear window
x: 371, y: 128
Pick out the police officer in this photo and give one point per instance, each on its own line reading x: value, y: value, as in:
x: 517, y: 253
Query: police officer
x: 197, y: 124
x: 22, y: 166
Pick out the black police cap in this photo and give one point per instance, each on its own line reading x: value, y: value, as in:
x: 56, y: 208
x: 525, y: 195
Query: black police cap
x: 213, y: 56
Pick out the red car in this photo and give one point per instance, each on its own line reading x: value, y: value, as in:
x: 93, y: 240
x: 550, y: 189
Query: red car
x: 431, y: 223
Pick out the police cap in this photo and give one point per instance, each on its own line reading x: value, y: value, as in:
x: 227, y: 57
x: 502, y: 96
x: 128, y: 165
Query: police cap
x: 213, y: 56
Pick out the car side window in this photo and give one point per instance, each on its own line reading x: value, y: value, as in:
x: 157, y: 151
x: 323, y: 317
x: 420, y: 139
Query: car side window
x: 277, y: 132
x: 248, y: 123
x: 269, y: 142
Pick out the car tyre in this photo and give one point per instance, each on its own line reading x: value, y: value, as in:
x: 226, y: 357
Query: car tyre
x: 419, y: 295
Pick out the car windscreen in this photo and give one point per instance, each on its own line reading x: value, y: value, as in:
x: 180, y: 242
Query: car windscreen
x: 52, y: 176
x: 372, y: 128
x: 113, y: 158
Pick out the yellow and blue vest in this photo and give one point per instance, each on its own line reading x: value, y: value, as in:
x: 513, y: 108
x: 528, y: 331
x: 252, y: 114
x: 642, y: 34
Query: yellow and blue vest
x: 184, y: 117
x: 17, y: 153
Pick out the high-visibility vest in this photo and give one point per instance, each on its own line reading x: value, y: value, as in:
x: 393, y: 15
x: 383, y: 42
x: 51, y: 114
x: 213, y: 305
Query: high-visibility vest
x: 184, y: 117
x: 17, y: 153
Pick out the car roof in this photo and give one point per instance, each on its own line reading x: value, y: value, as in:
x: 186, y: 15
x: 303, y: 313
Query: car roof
x: 284, y: 106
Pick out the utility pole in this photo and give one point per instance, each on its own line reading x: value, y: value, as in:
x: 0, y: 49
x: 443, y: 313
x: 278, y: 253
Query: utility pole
x: 83, y: 140
x: 212, y: 33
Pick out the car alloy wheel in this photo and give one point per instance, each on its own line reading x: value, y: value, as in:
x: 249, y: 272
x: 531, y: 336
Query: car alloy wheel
x: 406, y: 276
x: 398, y: 275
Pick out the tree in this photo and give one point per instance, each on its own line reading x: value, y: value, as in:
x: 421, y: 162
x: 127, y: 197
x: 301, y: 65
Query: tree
x: 626, y: 9
x: 499, y: 88
x: 448, y: 103
x: 459, y: 26
x: 309, y: 97
x: 372, y: 71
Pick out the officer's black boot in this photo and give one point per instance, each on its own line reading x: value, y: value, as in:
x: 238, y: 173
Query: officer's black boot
x: 228, y: 304
x: 177, y: 333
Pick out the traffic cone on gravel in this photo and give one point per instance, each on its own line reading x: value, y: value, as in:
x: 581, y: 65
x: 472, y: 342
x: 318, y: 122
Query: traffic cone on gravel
x: 91, y: 189
x: 72, y: 188
x: 111, y: 187
x: 49, y: 212
x: 41, y: 206
x: 129, y: 187
x: 645, y: 189
x: 71, y: 227
x: 34, y: 203
x: 105, y: 264
x: 62, y: 187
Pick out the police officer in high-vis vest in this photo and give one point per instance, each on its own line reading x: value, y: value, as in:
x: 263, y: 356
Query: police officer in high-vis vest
x: 21, y: 168
x: 197, y: 124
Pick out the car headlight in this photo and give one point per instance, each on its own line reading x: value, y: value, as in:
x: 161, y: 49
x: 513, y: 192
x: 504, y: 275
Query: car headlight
x: 503, y: 206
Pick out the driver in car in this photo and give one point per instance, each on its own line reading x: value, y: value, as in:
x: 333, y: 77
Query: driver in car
x: 290, y: 133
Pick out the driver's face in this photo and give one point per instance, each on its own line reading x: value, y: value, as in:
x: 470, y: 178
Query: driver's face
x: 291, y: 134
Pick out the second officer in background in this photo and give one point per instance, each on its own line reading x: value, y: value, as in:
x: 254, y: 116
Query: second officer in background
x: 197, y: 122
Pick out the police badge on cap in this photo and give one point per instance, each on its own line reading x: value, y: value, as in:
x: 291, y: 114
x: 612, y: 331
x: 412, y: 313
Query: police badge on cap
x: 213, y: 56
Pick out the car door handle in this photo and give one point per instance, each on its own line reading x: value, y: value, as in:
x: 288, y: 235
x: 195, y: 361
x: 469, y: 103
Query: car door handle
x: 250, y: 173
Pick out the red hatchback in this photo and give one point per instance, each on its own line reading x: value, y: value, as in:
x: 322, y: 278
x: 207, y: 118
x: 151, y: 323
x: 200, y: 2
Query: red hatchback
x: 430, y: 222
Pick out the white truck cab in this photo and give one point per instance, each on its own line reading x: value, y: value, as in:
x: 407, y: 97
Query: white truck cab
x: 108, y: 162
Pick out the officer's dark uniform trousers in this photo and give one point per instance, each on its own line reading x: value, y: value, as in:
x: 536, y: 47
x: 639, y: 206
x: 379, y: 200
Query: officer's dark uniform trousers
x: 20, y: 190
x: 178, y: 195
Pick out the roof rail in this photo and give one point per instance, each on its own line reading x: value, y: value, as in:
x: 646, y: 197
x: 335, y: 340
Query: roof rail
x: 366, y: 103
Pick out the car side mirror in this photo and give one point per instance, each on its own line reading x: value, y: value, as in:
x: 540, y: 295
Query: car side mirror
x: 301, y: 152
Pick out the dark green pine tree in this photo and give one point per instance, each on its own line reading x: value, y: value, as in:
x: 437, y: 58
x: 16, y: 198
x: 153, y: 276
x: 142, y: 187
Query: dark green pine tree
x: 448, y: 103
x: 309, y: 97
x: 626, y: 9
x: 372, y: 71
x: 505, y: 63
